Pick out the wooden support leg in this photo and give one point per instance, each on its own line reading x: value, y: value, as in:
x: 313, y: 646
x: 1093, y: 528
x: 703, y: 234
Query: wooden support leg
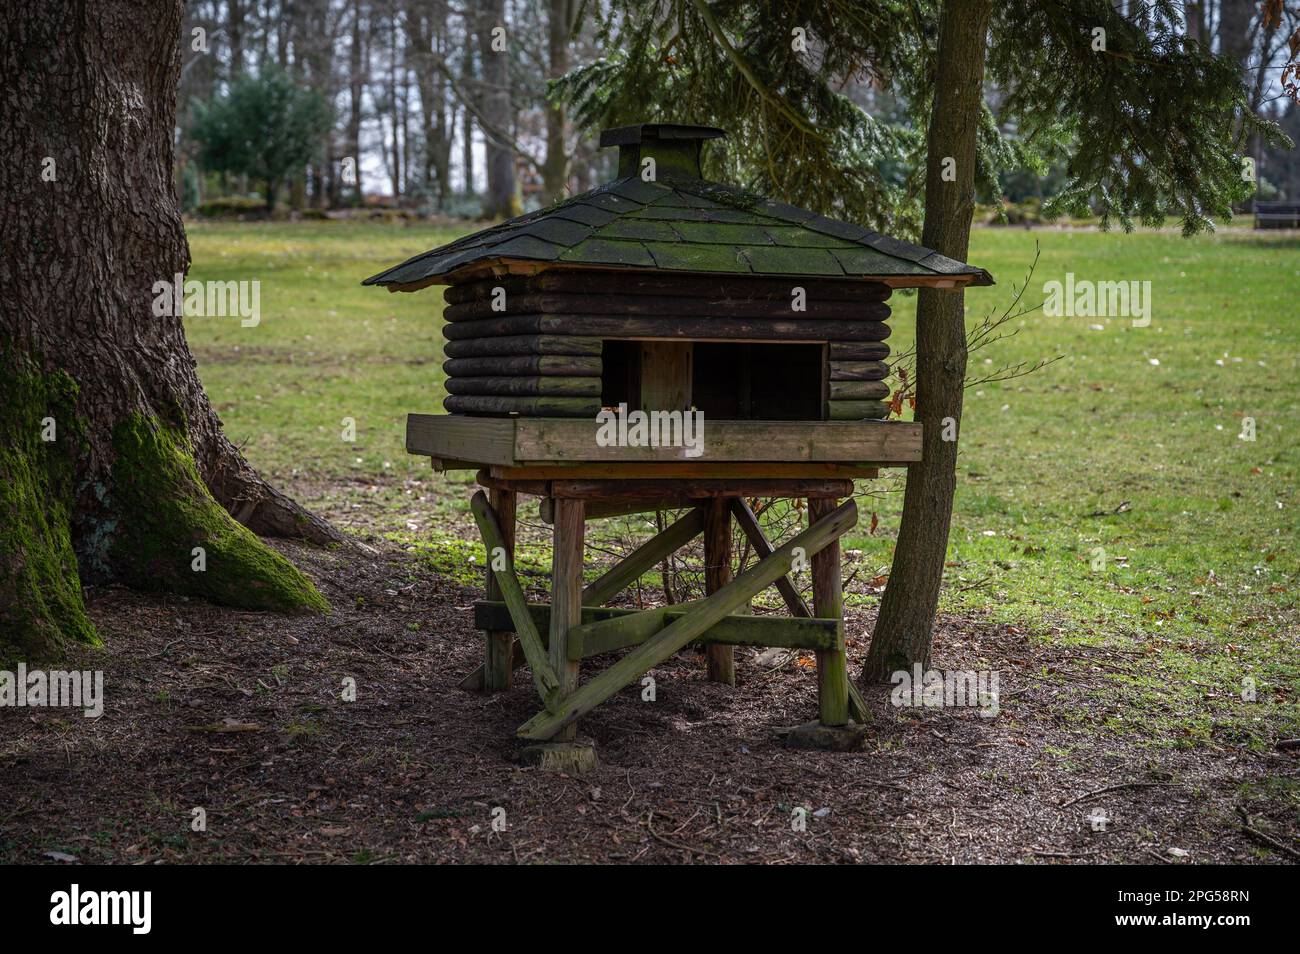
x: 498, y: 654
x: 566, y: 596
x: 828, y: 602
x: 717, y: 574
x: 694, y: 623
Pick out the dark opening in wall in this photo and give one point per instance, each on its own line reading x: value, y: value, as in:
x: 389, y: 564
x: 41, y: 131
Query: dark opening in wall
x: 620, y: 374
x: 728, y: 381
x: 758, y: 382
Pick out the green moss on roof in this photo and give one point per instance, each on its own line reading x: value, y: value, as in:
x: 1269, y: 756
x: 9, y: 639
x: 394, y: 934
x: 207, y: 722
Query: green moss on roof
x: 683, y: 224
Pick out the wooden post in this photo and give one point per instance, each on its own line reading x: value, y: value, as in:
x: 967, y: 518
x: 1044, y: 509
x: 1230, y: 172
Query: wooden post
x: 566, y: 595
x: 828, y: 602
x: 717, y: 574
x: 498, y: 647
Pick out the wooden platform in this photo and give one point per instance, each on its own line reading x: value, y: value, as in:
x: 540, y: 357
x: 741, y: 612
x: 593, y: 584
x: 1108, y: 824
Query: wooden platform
x: 836, y: 448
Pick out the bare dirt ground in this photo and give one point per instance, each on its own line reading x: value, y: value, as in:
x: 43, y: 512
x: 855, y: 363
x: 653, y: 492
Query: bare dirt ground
x: 241, y: 714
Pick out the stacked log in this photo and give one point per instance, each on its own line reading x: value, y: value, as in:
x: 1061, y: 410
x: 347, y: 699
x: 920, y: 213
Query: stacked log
x: 531, y: 344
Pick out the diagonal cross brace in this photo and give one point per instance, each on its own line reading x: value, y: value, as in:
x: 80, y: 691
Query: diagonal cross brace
x: 630, y: 568
x: 749, y: 523
x: 686, y: 628
x: 548, y: 686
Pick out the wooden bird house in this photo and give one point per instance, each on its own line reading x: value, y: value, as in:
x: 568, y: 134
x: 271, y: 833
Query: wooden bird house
x: 664, y: 341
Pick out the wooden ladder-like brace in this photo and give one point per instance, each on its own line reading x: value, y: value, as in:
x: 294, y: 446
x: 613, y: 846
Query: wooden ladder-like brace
x: 659, y: 632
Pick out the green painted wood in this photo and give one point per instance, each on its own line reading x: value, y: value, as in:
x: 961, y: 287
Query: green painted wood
x: 691, y: 625
x: 631, y: 567
x: 548, y: 686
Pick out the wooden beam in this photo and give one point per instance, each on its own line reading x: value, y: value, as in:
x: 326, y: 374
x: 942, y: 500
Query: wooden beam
x: 523, y: 344
x: 754, y: 533
x: 502, y: 566
x: 566, y: 596
x: 632, y: 566
x: 600, y: 509
x: 690, y: 626
x: 484, y: 440
x: 716, y: 307
x: 493, y: 404
x: 621, y: 628
x: 853, y: 410
x: 665, y: 375
x: 685, y: 285
x: 857, y: 705
x: 791, y: 328
x: 499, y: 645
x: 540, y: 385
x: 475, y: 270
x: 750, y: 487
x: 837, y: 442
x: 524, y: 364
x: 528, y: 470
x: 717, y: 574
x: 736, y: 630
x: 540, y: 442
x: 828, y: 601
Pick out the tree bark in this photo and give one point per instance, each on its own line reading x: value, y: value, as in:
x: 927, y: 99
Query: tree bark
x: 907, y: 609
x: 358, y: 71
x: 113, y: 466
x: 502, y: 199
x: 555, y: 168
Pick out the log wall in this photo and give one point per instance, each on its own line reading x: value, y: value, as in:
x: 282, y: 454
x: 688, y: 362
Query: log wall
x: 531, y: 344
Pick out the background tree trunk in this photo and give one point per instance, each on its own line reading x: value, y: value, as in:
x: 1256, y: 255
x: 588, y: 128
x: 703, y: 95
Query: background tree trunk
x: 358, y: 72
x: 109, y: 448
x: 907, y: 610
x: 555, y: 169
x: 502, y: 197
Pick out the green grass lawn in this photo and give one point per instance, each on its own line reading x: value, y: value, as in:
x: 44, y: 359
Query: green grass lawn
x: 1107, y: 498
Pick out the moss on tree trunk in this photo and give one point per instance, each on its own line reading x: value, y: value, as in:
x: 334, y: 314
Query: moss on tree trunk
x: 138, y: 472
x: 41, y: 610
x: 173, y: 536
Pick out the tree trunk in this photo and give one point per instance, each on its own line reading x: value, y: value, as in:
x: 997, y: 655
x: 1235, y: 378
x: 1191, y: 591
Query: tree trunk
x: 555, y: 169
x: 357, y: 74
x: 113, y: 466
x: 907, y: 610
x: 502, y: 198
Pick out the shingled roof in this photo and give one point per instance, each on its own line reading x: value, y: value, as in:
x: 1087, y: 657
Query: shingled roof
x: 682, y: 223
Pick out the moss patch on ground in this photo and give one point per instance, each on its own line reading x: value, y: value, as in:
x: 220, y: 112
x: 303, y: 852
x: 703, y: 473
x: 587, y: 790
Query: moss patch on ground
x: 173, y: 535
